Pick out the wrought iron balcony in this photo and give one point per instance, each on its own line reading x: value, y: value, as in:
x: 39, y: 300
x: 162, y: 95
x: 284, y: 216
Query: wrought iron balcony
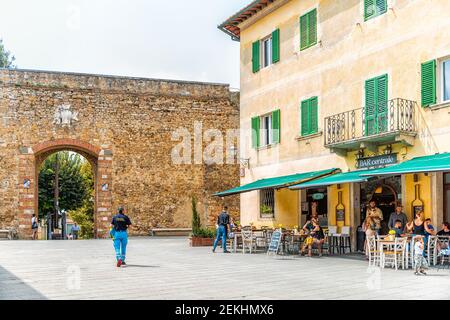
x: 384, y: 123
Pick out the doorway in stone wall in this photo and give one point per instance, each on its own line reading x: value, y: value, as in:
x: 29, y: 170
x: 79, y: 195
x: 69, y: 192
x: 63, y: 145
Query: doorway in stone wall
x: 66, y: 197
x: 38, y: 161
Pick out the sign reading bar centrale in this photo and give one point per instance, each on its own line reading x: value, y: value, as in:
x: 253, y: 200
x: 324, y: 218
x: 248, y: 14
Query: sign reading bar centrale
x: 377, y: 161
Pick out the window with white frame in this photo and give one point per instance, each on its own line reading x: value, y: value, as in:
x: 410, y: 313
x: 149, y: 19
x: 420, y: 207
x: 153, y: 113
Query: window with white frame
x: 266, y: 130
x: 266, y: 51
x: 267, y: 203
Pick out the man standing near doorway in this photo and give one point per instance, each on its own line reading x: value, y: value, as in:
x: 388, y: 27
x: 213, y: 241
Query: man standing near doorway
x: 398, y: 215
x: 376, y: 214
x: 120, y: 223
x: 223, y: 220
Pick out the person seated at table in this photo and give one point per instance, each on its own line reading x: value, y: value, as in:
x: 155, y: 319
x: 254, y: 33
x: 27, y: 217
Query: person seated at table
x: 445, y: 232
x: 417, y: 226
x: 398, y: 228
x: 317, y: 237
x: 308, y: 226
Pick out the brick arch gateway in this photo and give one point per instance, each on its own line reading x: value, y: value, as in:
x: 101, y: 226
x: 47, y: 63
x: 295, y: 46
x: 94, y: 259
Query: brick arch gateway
x: 31, y: 160
x: 125, y: 127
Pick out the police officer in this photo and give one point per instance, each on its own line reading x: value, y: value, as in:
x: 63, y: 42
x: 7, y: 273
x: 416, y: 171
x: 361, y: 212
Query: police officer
x: 119, y: 225
x: 223, y: 220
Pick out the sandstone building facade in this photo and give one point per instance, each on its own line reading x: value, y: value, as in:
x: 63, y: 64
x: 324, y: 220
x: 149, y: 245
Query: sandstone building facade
x: 124, y: 127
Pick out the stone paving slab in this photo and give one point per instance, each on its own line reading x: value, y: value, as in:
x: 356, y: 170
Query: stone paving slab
x: 167, y: 268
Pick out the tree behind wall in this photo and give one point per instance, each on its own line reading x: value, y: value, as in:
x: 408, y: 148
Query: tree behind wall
x: 6, y: 59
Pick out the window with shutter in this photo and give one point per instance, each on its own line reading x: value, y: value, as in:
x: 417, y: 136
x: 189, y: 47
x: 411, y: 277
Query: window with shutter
x: 428, y: 86
x: 255, y: 56
x: 374, y: 8
x: 255, y: 132
x: 376, y: 106
x: 308, y: 29
x: 276, y: 46
x: 309, y: 116
x: 276, y: 126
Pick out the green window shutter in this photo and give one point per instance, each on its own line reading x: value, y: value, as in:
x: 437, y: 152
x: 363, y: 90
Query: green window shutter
x: 370, y: 107
x: 304, y: 114
x: 428, y: 87
x: 374, y: 8
x: 312, y: 28
x: 313, y: 115
x: 381, y: 6
x: 369, y: 9
x: 255, y: 132
x: 308, y: 29
x: 303, y: 32
x: 276, y: 128
x: 276, y: 46
x: 255, y: 56
x: 382, y: 103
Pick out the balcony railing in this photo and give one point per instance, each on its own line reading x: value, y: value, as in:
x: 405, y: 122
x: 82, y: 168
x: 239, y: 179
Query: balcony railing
x: 393, y: 116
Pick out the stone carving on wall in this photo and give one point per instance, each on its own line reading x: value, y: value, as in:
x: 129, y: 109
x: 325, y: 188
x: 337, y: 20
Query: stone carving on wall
x: 64, y: 116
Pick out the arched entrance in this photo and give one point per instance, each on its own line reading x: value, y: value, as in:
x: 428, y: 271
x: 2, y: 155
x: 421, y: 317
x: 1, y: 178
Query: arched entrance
x: 30, y: 162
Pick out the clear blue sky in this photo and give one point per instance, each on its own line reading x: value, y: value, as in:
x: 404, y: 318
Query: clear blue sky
x: 174, y: 39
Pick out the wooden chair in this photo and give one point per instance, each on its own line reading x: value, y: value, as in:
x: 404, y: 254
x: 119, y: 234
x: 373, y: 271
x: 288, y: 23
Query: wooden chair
x: 248, y: 240
x: 345, y: 240
x: 396, y: 256
x: 372, y: 251
x: 432, y: 249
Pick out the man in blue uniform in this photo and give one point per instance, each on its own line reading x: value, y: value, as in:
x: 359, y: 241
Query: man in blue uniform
x: 119, y: 225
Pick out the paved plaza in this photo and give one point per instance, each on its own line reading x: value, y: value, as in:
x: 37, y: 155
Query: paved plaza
x: 167, y: 268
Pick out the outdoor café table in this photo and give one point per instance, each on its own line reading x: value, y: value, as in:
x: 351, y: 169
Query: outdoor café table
x: 238, y: 234
x: 389, y: 245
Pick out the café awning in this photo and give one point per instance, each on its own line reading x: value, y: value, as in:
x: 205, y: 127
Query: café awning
x: 432, y: 163
x: 276, y: 182
x: 337, y: 178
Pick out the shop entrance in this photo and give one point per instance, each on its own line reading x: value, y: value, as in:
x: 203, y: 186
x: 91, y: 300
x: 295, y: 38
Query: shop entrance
x: 386, y: 193
x: 318, y: 195
x: 447, y: 196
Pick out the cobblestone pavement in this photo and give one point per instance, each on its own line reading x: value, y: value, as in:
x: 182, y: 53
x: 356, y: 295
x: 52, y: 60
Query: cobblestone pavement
x: 167, y: 268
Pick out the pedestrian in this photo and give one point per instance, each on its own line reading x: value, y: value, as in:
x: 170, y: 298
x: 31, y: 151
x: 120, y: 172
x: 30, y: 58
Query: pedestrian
x: 420, y: 263
x: 34, y: 227
x: 119, y: 224
x: 75, y: 231
x: 223, y: 220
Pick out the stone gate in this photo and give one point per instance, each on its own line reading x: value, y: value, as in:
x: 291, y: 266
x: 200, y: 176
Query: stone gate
x: 123, y: 127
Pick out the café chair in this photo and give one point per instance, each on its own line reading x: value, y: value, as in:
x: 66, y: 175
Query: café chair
x: 372, y: 251
x: 345, y: 240
x: 432, y: 249
x: 248, y: 239
x: 396, y: 256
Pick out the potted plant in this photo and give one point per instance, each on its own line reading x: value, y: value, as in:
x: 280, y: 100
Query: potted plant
x: 200, y: 236
x: 266, y: 211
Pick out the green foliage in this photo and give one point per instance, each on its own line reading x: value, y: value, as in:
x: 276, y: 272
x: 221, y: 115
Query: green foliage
x: 83, y: 216
x: 266, y: 209
x: 75, y: 182
x: 206, y: 233
x: 6, y: 60
x: 197, y: 229
x: 196, y: 224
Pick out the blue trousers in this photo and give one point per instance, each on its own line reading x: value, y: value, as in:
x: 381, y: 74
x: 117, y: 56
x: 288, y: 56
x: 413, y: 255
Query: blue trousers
x: 221, y: 233
x: 120, y: 244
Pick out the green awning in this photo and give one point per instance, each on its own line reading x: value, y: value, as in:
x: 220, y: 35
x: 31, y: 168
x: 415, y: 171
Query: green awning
x: 276, y: 183
x: 436, y: 162
x: 337, y: 178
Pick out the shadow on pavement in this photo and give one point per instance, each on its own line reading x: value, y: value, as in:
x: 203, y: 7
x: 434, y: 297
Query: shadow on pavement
x: 14, y: 288
x: 138, y: 266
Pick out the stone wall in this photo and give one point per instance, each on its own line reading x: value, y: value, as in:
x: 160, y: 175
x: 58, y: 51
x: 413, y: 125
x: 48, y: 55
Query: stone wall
x: 130, y: 122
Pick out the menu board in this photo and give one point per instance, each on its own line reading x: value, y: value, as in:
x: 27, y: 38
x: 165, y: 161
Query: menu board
x: 275, y: 242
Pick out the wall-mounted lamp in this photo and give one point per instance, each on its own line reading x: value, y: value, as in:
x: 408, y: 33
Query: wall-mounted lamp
x: 360, y: 154
x: 388, y: 149
x: 245, y: 162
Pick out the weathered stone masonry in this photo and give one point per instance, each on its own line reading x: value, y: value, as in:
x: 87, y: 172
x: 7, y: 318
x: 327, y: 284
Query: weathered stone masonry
x: 124, y: 129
